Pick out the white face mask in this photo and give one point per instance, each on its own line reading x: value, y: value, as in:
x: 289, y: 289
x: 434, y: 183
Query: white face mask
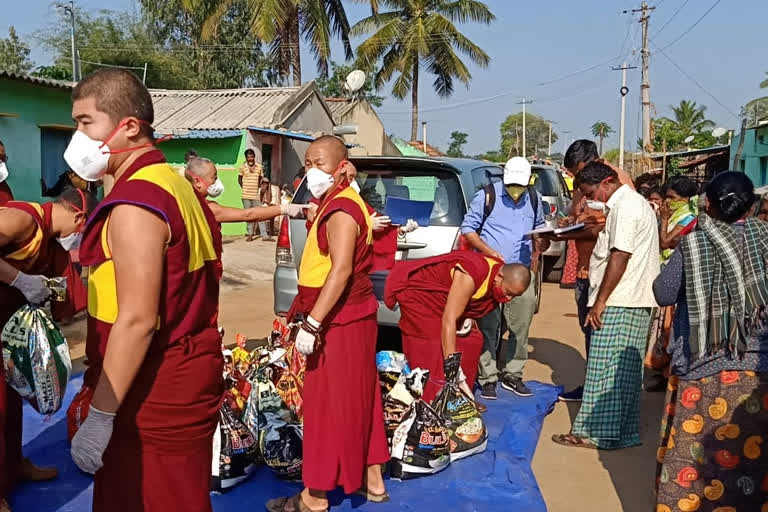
x: 355, y: 186
x: 216, y: 188
x: 596, y: 205
x: 319, y: 182
x: 87, y: 157
x: 3, y: 172
x: 71, y: 242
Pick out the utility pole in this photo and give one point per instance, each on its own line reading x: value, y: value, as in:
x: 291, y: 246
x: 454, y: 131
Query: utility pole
x: 524, y: 102
x: 70, y: 11
x: 645, y: 16
x: 565, y: 143
x: 549, y: 147
x: 424, y: 134
x: 623, y: 91
x: 144, y: 79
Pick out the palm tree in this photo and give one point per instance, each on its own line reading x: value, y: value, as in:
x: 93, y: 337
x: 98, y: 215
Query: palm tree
x: 416, y: 35
x: 283, y: 24
x: 690, y: 118
x: 764, y: 83
x: 601, y: 129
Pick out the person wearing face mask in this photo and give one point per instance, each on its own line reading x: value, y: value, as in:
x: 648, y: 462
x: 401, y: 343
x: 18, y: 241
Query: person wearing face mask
x: 33, y: 239
x: 517, y: 209
x: 444, y: 294
x: 676, y: 213
x: 592, y: 214
x: 5, y: 190
x: 344, y: 440
x: 153, y: 347
x: 203, y: 175
x: 623, y: 266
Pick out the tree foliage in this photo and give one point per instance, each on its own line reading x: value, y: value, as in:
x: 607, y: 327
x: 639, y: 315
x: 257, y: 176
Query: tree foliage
x: 14, y: 54
x: 168, y: 42
x: 690, y: 118
x: 764, y: 83
x: 601, y: 130
x: 418, y: 35
x: 283, y: 24
x: 456, y: 146
x: 536, y: 136
x: 333, y: 86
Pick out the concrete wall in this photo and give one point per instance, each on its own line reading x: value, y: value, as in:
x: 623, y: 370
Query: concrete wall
x: 310, y: 117
x: 754, y: 155
x: 370, y: 131
x: 34, y: 105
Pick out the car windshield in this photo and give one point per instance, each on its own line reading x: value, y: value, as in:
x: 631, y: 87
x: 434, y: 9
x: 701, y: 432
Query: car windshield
x: 439, y: 187
x: 546, y: 183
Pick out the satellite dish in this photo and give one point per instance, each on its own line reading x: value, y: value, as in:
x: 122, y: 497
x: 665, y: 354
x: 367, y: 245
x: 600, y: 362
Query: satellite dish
x: 689, y: 139
x: 354, y: 81
x: 718, y: 132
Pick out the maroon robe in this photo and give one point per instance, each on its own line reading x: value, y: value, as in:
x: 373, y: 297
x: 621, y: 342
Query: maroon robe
x: 421, y: 289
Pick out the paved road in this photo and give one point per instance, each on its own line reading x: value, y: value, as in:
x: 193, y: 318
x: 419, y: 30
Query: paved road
x: 571, y: 479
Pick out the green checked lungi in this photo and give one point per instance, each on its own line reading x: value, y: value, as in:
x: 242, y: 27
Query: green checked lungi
x: 610, y: 410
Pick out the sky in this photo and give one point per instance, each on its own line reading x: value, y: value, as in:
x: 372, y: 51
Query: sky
x: 535, y: 43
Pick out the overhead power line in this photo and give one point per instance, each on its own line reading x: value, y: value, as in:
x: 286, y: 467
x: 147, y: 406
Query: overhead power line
x: 671, y: 18
x: 695, y: 82
x: 102, y: 64
x: 692, y: 26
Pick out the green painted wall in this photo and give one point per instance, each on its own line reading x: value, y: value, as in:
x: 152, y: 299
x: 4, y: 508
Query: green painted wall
x: 754, y: 155
x: 227, y: 154
x: 34, y: 105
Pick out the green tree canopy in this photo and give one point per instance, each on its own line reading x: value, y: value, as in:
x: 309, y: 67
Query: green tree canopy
x: 456, y: 146
x: 536, y: 137
x: 333, y: 86
x: 14, y: 53
x: 764, y: 83
x: 421, y: 35
x: 601, y: 130
x: 690, y: 118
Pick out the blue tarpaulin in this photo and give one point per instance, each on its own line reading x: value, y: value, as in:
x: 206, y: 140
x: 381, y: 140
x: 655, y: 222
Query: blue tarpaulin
x: 498, y: 479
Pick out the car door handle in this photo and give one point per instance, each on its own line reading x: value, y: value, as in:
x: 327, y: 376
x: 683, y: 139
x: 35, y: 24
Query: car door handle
x: 405, y: 246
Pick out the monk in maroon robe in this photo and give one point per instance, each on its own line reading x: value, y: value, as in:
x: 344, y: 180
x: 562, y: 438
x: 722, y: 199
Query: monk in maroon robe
x: 344, y: 439
x: 439, y: 295
x: 29, y: 250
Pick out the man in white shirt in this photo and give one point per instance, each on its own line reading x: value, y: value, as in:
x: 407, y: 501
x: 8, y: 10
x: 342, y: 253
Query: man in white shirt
x: 624, y: 263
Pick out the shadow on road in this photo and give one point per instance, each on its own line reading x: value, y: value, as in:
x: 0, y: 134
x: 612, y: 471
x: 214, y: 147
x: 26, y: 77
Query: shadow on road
x: 566, y: 363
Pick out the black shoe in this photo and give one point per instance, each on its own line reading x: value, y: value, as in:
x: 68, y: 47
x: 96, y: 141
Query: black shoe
x: 574, y: 395
x: 515, y: 385
x: 488, y: 391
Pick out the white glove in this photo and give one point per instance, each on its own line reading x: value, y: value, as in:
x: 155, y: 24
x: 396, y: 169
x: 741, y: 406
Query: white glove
x: 292, y: 210
x: 91, y: 440
x: 411, y: 225
x: 33, y: 287
x: 465, y: 327
x: 462, y: 377
x: 380, y: 221
x: 306, y: 340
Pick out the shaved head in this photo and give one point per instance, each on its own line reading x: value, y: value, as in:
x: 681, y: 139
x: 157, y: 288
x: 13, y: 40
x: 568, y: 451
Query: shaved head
x: 513, y: 279
x: 326, y: 153
x: 204, y: 170
x: 335, y: 146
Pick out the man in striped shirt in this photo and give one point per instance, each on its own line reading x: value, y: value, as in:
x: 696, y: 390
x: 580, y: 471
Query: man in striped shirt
x: 250, y: 178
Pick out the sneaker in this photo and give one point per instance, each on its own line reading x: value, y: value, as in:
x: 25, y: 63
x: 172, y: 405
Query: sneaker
x: 488, y: 391
x: 574, y: 395
x: 515, y: 385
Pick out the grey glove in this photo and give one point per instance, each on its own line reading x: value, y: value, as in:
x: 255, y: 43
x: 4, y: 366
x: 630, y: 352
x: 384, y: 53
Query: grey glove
x: 92, y: 439
x: 33, y: 287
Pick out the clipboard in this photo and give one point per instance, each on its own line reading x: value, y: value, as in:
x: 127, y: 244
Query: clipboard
x: 400, y: 210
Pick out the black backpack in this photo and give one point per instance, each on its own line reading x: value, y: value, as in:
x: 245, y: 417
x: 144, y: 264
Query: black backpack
x: 490, y: 202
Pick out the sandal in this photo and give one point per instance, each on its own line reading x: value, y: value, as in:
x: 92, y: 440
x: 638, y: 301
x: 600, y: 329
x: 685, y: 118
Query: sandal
x: 481, y: 408
x: 573, y: 441
x: 290, y: 504
x: 373, y: 497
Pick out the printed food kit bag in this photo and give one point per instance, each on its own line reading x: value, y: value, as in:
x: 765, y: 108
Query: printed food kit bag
x: 397, y: 402
x: 36, y: 359
x: 234, y: 451
x: 420, y: 443
x: 390, y: 365
x: 459, y: 414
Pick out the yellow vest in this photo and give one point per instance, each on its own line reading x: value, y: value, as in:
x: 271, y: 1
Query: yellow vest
x: 315, y: 265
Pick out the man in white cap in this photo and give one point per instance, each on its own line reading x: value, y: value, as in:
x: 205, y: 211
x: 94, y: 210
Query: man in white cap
x: 497, y: 222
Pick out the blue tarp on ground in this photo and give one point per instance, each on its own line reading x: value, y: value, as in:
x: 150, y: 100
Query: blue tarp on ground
x: 500, y: 478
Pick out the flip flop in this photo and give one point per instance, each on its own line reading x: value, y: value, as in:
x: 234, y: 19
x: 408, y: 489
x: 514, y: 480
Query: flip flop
x: 290, y: 504
x: 573, y: 441
x: 373, y: 497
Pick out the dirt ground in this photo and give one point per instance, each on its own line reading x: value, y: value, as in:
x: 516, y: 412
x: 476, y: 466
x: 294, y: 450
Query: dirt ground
x: 571, y: 479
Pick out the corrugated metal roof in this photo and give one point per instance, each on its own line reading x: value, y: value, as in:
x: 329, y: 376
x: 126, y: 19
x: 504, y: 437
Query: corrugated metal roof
x: 339, y: 107
x: 45, y: 82
x: 225, y: 109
